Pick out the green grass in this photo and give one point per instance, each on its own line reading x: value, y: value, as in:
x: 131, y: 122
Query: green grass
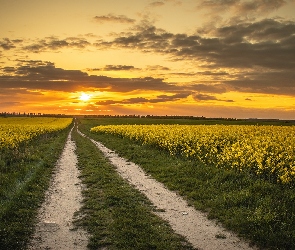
x: 115, y: 214
x: 256, y: 209
x: 24, y: 176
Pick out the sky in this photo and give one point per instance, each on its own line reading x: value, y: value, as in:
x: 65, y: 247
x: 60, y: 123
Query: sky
x: 212, y: 58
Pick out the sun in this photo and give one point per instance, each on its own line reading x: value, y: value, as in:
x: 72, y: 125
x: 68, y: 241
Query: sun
x: 84, y: 97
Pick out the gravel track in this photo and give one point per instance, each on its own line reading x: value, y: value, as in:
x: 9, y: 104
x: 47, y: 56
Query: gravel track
x: 55, y: 229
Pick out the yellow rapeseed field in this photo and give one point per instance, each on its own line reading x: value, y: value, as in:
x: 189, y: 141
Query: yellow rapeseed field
x: 267, y: 151
x: 15, y: 130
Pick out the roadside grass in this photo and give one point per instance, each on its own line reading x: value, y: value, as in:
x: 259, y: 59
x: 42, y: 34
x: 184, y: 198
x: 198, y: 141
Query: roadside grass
x: 24, y: 176
x: 256, y: 209
x: 116, y: 215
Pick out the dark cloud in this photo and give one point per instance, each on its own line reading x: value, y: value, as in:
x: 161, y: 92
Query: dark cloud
x: 17, y: 40
x: 205, y: 97
x: 114, y: 18
x: 183, y: 74
x: 174, y: 97
x: 6, y: 44
x: 128, y: 67
x: 53, y: 43
x: 214, y: 75
x: 8, y: 69
x: 264, y: 33
x: 211, y: 73
x: 142, y: 100
x: 210, y: 88
x: 115, y: 68
x: 12, y: 92
x: 107, y: 102
x: 264, y: 6
x: 93, y: 69
x: 269, y: 82
x: 42, y: 75
x: 218, y: 4
x: 146, y: 38
x: 242, y: 7
x: 156, y: 4
x: 156, y: 67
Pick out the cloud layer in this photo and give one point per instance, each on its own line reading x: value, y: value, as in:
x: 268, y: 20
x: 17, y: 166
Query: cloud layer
x: 45, y: 76
x: 228, y: 46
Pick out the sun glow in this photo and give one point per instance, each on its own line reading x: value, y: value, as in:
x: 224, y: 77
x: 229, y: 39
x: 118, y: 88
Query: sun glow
x: 84, y: 97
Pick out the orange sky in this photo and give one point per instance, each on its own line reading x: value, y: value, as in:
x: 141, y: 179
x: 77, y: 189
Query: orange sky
x: 212, y: 58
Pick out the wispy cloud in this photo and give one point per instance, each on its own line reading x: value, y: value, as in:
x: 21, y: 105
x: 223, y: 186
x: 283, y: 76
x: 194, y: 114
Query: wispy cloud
x: 114, y: 18
x: 204, y: 97
x: 157, y: 4
x: 143, y: 100
x: 115, y: 68
x: 242, y: 7
x: 54, y: 43
x: 157, y: 67
x: 258, y: 7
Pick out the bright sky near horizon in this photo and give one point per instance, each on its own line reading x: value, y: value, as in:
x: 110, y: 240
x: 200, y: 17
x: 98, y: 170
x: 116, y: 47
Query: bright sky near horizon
x: 213, y: 58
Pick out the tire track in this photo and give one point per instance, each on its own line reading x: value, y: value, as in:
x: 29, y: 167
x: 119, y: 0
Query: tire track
x: 63, y: 198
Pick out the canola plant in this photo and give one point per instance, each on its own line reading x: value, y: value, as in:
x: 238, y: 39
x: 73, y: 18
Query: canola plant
x: 267, y: 151
x: 14, y: 131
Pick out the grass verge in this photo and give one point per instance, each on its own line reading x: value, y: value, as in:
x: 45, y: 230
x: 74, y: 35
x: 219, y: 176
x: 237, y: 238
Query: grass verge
x: 116, y: 215
x: 256, y: 209
x: 24, y: 177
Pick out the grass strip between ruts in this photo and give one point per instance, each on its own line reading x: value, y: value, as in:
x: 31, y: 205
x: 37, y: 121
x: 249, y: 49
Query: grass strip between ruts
x: 115, y: 214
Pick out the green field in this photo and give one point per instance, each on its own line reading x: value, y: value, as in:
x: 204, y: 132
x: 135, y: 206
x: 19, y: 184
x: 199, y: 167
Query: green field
x: 25, y: 173
x: 255, y: 208
x: 119, y: 217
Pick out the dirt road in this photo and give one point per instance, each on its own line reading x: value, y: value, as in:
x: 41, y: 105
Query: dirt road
x: 63, y: 199
x: 55, y: 229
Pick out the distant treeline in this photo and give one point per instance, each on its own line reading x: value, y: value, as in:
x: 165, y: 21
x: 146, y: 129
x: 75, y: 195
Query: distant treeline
x: 158, y: 117
x: 186, y: 117
x: 11, y: 114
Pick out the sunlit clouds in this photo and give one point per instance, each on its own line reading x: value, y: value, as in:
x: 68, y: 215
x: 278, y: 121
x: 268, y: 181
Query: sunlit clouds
x: 202, y: 58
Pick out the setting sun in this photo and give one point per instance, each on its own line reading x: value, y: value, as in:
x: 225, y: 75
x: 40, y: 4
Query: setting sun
x: 84, y: 97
